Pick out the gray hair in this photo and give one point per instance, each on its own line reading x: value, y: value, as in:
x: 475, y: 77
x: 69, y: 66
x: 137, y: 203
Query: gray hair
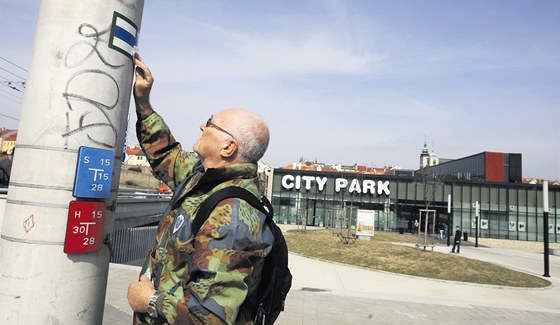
x: 252, y: 136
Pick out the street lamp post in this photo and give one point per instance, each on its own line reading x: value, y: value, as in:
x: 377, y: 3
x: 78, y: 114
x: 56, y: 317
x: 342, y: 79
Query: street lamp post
x: 476, y: 215
x: 545, y: 229
x: 448, y: 217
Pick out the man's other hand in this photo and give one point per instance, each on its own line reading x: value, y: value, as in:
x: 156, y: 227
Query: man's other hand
x: 139, y: 294
x: 142, y: 87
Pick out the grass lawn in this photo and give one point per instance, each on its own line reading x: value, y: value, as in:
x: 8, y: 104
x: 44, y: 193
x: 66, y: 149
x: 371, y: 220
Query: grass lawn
x: 383, y: 254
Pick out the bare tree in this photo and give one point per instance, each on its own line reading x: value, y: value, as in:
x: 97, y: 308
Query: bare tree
x: 430, y: 181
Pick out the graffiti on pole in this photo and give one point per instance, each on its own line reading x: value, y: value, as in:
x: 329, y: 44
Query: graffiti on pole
x: 93, y: 92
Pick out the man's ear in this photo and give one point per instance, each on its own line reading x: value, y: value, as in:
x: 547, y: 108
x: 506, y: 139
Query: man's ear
x: 229, y: 149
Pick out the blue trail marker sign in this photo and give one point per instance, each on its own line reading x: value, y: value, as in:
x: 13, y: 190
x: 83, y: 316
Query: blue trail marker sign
x: 94, y: 173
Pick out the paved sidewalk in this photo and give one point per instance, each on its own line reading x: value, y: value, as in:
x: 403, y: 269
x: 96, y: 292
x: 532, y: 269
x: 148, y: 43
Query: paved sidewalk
x: 330, y: 293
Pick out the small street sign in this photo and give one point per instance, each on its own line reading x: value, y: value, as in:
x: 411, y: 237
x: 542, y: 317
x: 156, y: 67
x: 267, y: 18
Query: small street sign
x: 84, y: 232
x: 94, y: 173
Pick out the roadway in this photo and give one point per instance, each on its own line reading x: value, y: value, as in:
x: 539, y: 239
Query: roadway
x: 331, y: 293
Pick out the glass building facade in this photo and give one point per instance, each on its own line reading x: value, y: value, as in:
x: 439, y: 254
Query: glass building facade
x: 506, y: 210
x: 485, y: 166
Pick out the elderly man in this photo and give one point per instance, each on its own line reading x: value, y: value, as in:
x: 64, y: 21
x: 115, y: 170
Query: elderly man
x: 201, y: 278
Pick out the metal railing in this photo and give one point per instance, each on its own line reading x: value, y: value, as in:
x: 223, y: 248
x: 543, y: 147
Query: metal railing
x: 138, y: 211
x: 132, y: 239
x: 131, y: 246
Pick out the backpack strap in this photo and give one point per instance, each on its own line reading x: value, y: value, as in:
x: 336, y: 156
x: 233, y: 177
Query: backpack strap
x: 208, y: 205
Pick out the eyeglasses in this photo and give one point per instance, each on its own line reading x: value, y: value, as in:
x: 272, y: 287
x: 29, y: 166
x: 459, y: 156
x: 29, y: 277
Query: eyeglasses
x: 209, y: 123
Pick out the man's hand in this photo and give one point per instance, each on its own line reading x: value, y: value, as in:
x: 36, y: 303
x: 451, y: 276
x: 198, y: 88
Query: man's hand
x: 139, y: 294
x: 142, y: 87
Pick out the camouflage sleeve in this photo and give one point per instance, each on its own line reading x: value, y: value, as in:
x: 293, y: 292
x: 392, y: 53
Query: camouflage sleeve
x: 168, y: 161
x: 225, y: 251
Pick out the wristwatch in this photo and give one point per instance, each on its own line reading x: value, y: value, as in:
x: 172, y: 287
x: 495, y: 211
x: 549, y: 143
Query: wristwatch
x: 152, y: 307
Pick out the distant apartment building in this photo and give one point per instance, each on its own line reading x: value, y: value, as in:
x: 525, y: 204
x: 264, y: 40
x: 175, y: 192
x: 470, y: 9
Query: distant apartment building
x: 7, y: 140
x: 136, y: 157
x: 322, y: 167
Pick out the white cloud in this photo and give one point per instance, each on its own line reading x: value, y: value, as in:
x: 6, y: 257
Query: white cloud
x: 242, y: 55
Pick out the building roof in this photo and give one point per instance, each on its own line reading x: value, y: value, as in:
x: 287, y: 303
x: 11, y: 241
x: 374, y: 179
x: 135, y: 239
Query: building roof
x: 362, y: 169
x: 8, y: 135
x: 134, y: 150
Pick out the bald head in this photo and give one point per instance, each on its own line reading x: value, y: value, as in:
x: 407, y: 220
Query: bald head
x: 250, y: 131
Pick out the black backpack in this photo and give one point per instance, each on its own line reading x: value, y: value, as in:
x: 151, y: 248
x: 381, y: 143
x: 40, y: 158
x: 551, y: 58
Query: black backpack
x: 267, y: 301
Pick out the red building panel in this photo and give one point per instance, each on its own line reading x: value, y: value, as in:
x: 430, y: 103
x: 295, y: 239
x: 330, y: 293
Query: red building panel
x: 494, y: 166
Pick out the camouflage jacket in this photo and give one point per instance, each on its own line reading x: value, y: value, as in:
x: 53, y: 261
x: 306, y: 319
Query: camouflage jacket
x: 204, y: 278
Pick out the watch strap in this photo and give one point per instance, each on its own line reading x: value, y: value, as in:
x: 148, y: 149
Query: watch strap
x: 152, y: 304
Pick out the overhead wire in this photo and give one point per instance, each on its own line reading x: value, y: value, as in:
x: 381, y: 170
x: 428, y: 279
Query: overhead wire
x: 131, y: 134
x: 13, y: 74
x: 10, y: 99
x: 11, y: 94
x: 16, y: 87
x: 10, y: 117
x: 13, y: 64
x: 13, y: 98
x: 11, y: 84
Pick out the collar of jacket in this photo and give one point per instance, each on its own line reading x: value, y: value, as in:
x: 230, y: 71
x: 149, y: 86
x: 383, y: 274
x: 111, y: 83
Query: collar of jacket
x: 241, y: 170
x: 205, y: 181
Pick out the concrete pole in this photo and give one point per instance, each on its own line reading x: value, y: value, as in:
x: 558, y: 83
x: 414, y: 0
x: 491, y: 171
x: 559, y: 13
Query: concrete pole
x: 78, y: 94
x: 477, y: 215
x: 545, y: 231
x: 448, y: 218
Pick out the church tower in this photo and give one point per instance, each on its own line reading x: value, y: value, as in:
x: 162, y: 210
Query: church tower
x: 428, y: 159
x: 424, y: 156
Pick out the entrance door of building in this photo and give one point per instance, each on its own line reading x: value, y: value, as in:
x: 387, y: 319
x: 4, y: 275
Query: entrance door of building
x: 308, y: 212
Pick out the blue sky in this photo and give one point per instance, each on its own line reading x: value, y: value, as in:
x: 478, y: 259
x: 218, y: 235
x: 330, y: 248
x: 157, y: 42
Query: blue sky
x: 348, y: 82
